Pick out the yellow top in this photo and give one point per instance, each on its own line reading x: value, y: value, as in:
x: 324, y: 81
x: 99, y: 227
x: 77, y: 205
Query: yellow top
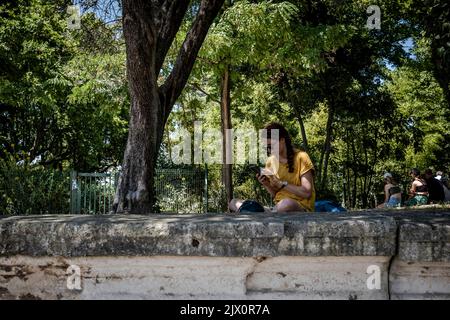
x: 302, y: 164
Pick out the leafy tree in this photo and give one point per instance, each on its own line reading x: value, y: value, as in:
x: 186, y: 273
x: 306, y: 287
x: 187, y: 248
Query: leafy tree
x: 432, y: 17
x: 422, y: 104
x: 34, y: 47
x: 64, y: 102
x: 149, y: 30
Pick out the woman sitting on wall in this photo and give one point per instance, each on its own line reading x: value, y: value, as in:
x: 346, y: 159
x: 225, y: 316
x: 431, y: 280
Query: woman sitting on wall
x: 418, y: 194
x: 288, y: 175
x: 392, y: 192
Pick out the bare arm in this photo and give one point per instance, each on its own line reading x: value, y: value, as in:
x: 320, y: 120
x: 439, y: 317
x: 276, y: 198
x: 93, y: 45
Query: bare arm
x: 305, y: 190
x: 273, y: 185
x: 412, y: 191
x: 386, y: 192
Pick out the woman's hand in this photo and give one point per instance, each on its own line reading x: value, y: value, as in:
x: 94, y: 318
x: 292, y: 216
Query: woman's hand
x: 270, y: 182
x: 275, y: 183
x: 264, y: 180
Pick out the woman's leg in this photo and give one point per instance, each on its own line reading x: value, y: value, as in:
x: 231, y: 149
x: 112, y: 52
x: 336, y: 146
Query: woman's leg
x: 288, y: 205
x: 422, y: 200
x: 412, y: 202
x: 235, y: 204
x: 393, y: 202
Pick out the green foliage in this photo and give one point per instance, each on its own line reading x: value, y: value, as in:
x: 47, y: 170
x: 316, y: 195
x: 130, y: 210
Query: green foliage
x: 299, y: 62
x: 432, y: 19
x: 32, y: 189
x: 97, y: 110
x: 63, y: 93
x: 64, y: 100
x: 180, y: 190
x: 422, y: 104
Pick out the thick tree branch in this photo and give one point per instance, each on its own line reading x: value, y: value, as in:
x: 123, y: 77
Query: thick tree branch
x: 176, y: 81
x: 170, y: 16
x: 197, y: 87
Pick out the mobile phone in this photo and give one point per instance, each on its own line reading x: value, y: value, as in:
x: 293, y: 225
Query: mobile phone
x: 255, y: 169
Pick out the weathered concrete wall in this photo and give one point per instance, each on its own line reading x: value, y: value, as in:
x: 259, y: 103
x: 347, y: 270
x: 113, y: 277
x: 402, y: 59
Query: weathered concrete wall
x: 296, y: 256
x: 176, y: 277
x: 421, y: 268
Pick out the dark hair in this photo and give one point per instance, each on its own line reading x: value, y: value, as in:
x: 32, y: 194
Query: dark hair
x: 415, y: 172
x: 391, y: 180
x: 429, y: 171
x: 283, y: 133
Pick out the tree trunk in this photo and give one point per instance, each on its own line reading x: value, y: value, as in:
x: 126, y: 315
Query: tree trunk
x: 302, y: 130
x: 365, y: 192
x: 347, y: 169
x: 227, y: 154
x: 437, y: 32
x: 296, y: 112
x: 145, y: 130
x: 344, y: 185
x: 349, y: 189
x: 323, y: 163
x: 355, y: 175
x: 441, y: 72
x: 149, y: 28
x: 135, y: 187
x: 355, y: 189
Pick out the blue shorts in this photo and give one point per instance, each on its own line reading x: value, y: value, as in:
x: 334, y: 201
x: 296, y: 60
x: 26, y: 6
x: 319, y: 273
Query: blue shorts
x: 393, y: 202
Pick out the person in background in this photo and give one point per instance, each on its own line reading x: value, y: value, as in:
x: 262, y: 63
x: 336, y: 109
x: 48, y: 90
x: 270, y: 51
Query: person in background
x: 418, y: 194
x: 444, y: 182
x: 392, y: 192
x: 435, y: 188
x: 444, y: 179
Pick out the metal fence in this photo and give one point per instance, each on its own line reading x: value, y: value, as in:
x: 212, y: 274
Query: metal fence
x: 92, y: 193
x: 195, y: 189
x: 26, y: 190
x: 190, y: 190
x: 181, y: 190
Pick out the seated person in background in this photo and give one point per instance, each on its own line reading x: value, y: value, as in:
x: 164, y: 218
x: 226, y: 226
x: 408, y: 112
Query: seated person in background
x: 443, y: 179
x: 288, y: 175
x: 418, y: 194
x: 445, y: 185
x: 392, y: 192
x: 435, y: 188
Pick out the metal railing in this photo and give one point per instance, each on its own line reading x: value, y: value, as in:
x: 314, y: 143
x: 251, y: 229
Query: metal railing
x: 92, y: 193
x: 196, y: 189
x: 176, y: 190
x: 182, y: 190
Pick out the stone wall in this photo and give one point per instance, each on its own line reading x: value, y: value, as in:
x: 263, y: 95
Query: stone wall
x: 368, y: 255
